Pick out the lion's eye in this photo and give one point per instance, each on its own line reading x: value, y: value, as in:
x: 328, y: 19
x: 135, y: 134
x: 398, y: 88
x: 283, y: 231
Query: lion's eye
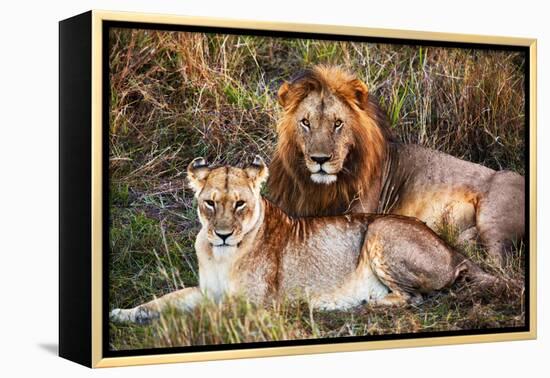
x: 210, y: 204
x: 239, y: 205
x: 305, y: 123
x: 338, y: 124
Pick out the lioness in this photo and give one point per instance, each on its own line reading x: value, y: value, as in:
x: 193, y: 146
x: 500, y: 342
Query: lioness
x: 250, y: 247
x: 335, y: 156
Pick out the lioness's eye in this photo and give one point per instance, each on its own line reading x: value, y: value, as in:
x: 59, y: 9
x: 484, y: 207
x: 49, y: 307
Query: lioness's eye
x: 210, y: 204
x: 305, y: 123
x: 239, y: 205
x: 338, y: 124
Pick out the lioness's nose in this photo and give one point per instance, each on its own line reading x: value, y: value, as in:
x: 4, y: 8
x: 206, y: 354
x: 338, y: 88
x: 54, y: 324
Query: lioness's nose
x: 224, y: 235
x: 320, y: 158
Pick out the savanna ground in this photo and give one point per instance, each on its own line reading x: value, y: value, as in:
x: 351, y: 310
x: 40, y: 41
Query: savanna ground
x: 176, y: 96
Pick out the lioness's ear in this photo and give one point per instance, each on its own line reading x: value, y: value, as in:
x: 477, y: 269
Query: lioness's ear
x: 197, y: 172
x: 257, y: 172
x: 360, y: 93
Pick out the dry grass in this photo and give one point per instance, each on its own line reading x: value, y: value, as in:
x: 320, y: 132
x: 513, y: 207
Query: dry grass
x: 175, y: 96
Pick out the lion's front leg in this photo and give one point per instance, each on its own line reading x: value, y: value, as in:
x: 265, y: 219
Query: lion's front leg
x: 501, y: 215
x: 184, y: 299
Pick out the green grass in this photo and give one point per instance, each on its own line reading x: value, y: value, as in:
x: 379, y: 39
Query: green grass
x: 238, y: 321
x: 176, y: 96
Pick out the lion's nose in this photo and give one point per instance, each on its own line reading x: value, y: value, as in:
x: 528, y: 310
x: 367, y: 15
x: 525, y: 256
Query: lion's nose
x: 224, y: 235
x: 320, y: 158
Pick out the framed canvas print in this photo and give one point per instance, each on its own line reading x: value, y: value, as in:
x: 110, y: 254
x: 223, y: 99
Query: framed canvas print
x: 235, y: 189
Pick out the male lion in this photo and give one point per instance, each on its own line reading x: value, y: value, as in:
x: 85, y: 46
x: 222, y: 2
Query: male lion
x: 250, y: 247
x: 335, y: 156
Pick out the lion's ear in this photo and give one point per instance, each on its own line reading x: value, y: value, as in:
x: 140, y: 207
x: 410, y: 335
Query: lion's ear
x: 360, y: 93
x: 197, y: 172
x: 291, y: 93
x: 282, y: 94
x: 257, y: 172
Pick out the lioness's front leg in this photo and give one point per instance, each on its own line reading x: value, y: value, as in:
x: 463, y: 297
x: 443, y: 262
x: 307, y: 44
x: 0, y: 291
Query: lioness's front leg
x: 184, y: 299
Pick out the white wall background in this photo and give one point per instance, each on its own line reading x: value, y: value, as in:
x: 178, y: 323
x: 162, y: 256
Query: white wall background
x: 28, y: 186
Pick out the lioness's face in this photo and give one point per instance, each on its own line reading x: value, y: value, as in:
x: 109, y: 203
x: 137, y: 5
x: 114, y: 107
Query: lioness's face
x: 228, y: 201
x: 324, y: 134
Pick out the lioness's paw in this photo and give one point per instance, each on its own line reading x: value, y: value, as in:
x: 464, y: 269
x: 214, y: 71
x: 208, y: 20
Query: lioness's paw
x: 330, y: 304
x: 119, y: 315
x: 139, y: 315
x: 144, y: 315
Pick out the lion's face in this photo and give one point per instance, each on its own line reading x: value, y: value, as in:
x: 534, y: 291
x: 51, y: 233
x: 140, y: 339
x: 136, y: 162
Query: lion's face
x: 332, y: 143
x: 228, y: 201
x: 323, y: 110
x: 322, y: 122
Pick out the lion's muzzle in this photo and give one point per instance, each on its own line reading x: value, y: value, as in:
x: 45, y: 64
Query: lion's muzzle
x: 322, y: 170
